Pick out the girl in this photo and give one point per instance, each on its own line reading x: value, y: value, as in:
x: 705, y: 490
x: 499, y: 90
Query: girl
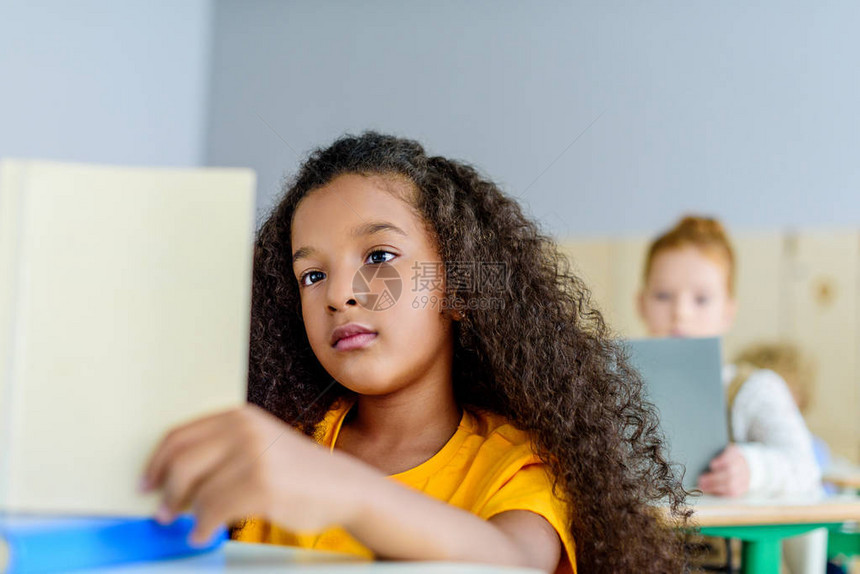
x: 689, y: 292
x: 410, y: 319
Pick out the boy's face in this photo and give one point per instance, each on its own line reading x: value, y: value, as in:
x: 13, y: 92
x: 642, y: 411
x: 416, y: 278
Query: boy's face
x: 356, y: 245
x: 686, y: 295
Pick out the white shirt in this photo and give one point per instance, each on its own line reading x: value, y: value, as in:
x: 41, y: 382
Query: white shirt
x: 772, y: 436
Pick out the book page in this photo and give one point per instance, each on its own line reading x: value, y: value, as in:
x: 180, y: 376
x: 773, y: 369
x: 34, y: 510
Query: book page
x: 132, y: 303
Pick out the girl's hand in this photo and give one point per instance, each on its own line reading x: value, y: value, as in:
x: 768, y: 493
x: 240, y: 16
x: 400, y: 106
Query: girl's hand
x: 246, y: 462
x: 729, y: 474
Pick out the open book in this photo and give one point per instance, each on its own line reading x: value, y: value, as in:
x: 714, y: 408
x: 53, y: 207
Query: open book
x: 124, y: 311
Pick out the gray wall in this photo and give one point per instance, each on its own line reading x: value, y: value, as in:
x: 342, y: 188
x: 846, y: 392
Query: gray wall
x: 105, y: 81
x: 746, y: 112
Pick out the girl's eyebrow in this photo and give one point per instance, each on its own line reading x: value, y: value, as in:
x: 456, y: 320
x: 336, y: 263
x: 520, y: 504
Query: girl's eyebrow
x: 363, y: 229
x: 376, y: 227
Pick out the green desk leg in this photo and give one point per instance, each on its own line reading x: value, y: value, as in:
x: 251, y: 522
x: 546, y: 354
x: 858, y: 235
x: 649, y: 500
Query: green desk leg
x: 762, y: 545
x: 843, y: 542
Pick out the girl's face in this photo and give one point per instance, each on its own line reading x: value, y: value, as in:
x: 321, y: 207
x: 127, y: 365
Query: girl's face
x: 356, y: 248
x: 686, y: 295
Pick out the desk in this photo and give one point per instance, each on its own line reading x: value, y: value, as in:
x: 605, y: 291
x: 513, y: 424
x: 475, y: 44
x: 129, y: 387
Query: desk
x: 269, y: 559
x: 762, y: 524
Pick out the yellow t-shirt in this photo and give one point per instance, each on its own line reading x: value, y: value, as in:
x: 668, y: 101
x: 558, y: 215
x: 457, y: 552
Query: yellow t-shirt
x: 487, y: 467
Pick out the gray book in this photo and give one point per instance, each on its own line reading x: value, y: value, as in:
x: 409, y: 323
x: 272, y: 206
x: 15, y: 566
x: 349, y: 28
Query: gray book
x: 683, y: 378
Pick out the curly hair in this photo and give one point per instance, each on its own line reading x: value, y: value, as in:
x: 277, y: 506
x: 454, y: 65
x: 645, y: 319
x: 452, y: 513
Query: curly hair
x: 547, y: 362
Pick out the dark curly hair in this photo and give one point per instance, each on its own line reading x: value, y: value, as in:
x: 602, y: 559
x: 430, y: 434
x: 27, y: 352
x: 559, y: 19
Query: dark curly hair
x: 547, y: 362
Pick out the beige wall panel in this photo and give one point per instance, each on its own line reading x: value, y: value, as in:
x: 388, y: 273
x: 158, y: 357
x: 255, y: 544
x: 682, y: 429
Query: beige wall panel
x: 760, y: 274
x: 628, y: 261
x: 823, y: 292
x: 590, y: 260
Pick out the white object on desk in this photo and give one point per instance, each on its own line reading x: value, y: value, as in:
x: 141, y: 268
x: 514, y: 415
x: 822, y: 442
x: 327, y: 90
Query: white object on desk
x: 271, y: 559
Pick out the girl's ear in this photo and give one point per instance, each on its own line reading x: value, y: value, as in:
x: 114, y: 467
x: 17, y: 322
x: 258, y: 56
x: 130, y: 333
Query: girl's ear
x: 452, y: 313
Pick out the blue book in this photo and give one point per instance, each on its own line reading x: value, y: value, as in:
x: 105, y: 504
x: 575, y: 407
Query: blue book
x: 38, y: 544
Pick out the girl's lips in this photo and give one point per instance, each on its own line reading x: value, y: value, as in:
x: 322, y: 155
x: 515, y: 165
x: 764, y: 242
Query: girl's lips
x: 357, y: 341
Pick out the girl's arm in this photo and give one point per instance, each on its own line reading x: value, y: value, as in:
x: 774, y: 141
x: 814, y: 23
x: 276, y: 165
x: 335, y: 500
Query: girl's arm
x: 773, y: 454
x: 776, y: 442
x: 246, y: 462
x: 397, y: 522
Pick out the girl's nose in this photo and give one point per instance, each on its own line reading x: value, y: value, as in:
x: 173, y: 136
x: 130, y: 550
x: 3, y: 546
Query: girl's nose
x: 339, y: 294
x: 681, y: 309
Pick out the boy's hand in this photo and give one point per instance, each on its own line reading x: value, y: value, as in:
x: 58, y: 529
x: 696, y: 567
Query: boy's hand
x: 729, y: 474
x: 246, y: 462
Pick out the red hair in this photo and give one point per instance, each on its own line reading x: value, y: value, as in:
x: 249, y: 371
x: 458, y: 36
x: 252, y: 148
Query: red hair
x: 705, y: 234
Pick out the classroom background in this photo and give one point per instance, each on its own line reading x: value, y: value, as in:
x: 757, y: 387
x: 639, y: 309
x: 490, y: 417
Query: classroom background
x: 607, y: 120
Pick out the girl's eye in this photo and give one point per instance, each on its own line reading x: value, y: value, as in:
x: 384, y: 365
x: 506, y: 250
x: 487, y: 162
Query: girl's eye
x: 311, y: 277
x: 662, y: 296
x: 702, y: 300
x: 379, y: 256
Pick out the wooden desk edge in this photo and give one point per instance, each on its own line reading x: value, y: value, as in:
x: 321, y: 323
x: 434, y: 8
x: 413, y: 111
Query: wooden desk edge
x: 736, y: 513
x: 740, y: 515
